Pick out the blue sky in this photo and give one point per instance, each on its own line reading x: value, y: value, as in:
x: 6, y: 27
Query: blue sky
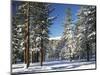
x: 56, y: 29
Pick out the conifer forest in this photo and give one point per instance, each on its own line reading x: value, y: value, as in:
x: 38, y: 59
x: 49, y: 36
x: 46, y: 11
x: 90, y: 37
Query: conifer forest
x: 48, y: 37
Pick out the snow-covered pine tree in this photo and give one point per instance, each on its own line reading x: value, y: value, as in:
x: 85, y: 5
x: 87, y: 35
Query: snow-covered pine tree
x: 41, y: 23
x: 91, y: 31
x: 86, y: 26
x: 22, y: 29
x: 35, y: 19
x: 14, y: 42
x: 68, y: 37
x: 80, y: 35
x: 17, y: 36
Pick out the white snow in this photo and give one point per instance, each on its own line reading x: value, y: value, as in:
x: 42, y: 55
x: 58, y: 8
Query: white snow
x: 50, y: 18
x: 55, y: 38
x: 53, y: 66
x: 93, y: 33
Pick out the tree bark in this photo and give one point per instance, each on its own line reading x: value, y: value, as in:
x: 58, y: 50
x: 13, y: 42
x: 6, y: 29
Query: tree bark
x: 88, y: 58
x: 41, y: 56
x: 26, y: 51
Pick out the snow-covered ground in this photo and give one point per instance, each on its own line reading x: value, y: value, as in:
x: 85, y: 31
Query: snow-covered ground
x: 53, y: 66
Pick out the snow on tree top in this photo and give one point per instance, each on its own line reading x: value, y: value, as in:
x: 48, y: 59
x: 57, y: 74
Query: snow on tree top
x: 55, y: 38
x: 93, y: 33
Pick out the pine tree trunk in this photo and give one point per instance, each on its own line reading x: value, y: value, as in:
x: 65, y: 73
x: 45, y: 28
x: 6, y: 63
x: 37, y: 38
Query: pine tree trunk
x: 41, y: 56
x: 32, y: 56
x: 26, y: 54
x: 88, y: 58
